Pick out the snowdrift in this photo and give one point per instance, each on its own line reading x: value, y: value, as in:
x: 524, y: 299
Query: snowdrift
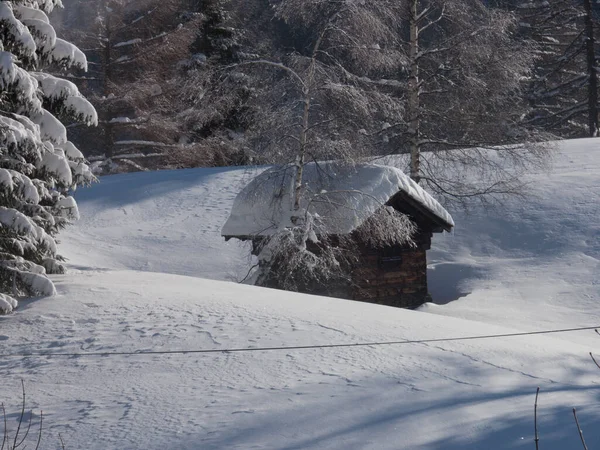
x: 532, y: 266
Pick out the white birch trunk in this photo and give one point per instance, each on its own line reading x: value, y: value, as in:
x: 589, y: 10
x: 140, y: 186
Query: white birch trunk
x: 413, y: 93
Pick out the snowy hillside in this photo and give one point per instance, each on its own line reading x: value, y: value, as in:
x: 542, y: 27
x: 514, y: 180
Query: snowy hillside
x: 166, y: 221
x: 539, y: 256
x: 143, y: 241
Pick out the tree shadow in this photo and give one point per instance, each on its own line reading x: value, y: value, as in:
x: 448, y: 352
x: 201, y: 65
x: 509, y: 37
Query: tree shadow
x: 326, y: 425
x: 125, y: 189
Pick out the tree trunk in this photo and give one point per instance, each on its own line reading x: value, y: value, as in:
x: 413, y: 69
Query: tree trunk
x: 106, y: 79
x: 301, y: 158
x: 591, y: 69
x: 413, y: 93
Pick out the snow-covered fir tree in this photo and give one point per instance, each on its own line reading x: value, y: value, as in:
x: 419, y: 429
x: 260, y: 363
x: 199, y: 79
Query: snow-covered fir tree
x: 39, y: 167
x: 217, y: 39
x: 216, y: 113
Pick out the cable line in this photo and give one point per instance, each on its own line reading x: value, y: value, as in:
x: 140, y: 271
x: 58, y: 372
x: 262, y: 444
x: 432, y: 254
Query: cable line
x: 288, y: 348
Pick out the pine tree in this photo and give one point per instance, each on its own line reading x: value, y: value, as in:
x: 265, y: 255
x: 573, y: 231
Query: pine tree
x: 136, y: 50
x: 217, y: 39
x: 39, y: 167
x: 216, y: 106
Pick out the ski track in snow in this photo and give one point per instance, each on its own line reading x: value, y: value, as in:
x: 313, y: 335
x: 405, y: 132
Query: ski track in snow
x: 532, y: 266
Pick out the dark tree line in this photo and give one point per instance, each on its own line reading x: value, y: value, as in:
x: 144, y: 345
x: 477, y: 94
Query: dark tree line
x: 174, y: 78
x: 564, y: 89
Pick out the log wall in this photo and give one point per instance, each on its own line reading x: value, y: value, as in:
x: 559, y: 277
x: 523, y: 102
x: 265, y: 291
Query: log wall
x: 392, y: 276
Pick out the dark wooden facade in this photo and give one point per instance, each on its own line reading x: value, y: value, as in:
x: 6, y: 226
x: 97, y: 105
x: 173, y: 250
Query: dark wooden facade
x: 393, y: 276
x: 397, y: 275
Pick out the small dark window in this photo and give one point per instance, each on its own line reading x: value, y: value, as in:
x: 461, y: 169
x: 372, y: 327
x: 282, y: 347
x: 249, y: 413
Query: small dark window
x: 390, y: 258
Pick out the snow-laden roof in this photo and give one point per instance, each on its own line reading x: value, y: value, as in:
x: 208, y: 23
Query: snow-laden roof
x: 342, y: 196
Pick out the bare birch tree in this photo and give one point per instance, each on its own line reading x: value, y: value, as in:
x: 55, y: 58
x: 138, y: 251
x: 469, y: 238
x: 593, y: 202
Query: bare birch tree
x: 322, y: 102
x: 464, y: 89
x: 324, y: 96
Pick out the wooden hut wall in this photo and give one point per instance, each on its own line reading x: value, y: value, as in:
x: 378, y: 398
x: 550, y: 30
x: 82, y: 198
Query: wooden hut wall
x: 394, y: 276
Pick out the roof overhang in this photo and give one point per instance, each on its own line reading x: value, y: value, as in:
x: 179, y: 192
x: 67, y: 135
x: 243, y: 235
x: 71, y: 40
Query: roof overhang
x: 406, y: 204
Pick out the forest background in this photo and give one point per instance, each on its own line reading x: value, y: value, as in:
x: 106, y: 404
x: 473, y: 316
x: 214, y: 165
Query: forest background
x: 199, y: 83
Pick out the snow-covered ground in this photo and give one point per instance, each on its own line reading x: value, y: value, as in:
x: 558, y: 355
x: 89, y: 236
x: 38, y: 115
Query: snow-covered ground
x: 534, y: 263
x: 147, y: 271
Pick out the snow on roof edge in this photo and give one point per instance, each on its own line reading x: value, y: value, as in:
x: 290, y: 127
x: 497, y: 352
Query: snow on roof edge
x: 258, y: 209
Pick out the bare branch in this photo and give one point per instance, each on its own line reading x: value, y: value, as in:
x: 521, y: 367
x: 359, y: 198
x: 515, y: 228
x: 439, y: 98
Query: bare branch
x: 40, y: 433
x: 277, y: 65
x: 594, y: 359
x: 21, y: 416
x: 579, y: 429
x: 537, y: 438
x: 5, y: 433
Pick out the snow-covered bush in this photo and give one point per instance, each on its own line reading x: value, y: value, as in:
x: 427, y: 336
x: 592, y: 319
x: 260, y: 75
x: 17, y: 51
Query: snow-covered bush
x: 299, y: 256
x: 304, y: 257
x: 39, y: 167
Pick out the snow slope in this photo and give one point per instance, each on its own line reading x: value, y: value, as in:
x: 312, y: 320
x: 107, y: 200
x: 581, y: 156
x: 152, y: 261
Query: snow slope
x: 455, y: 395
x: 167, y: 221
x: 531, y: 266
x: 540, y: 257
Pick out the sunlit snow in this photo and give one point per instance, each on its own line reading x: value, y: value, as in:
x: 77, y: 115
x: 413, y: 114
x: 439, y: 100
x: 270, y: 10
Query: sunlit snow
x: 147, y: 270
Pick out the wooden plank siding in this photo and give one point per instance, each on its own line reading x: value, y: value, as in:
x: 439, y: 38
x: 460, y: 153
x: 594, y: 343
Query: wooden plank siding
x: 393, y: 276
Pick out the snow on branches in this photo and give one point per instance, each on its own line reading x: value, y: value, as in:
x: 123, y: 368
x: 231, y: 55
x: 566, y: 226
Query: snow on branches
x: 39, y: 167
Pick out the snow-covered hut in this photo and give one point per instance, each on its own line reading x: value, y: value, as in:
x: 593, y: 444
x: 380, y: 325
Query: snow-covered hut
x: 342, y: 198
